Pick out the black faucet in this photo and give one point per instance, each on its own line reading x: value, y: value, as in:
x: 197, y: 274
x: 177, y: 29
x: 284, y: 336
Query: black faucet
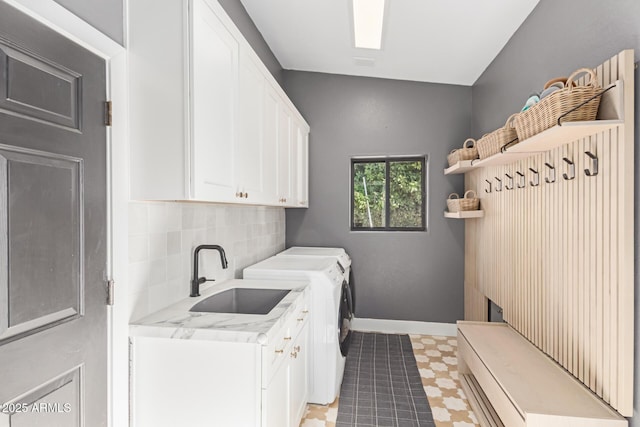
x: 195, y: 283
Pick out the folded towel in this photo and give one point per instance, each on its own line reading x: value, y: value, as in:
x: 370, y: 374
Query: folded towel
x: 548, y: 91
x: 533, y: 100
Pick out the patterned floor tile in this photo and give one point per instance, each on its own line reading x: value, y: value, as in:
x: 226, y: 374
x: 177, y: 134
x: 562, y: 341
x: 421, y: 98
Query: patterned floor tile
x: 437, y: 363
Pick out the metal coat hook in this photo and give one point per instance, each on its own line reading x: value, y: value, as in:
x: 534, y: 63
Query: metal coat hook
x: 499, y: 184
x: 594, y: 164
x: 536, y: 178
x: 488, y: 190
x: 510, y: 180
x: 521, y: 181
x: 551, y: 178
x: 572, y: 170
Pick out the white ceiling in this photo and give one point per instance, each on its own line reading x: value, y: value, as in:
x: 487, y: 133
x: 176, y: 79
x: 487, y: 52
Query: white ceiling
x: 440, y: 41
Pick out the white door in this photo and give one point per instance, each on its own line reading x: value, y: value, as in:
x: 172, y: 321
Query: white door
x: 249, y: 152
x: 214, y: 95
x: 53, y: 228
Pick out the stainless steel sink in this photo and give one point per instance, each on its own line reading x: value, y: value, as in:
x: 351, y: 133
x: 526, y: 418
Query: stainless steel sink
x: 241, y: 301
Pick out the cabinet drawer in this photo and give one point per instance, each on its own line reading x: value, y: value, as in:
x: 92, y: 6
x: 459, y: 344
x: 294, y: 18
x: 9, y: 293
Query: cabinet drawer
x: 300, y: 318
x: 275, y: 353
x: 278, y: 350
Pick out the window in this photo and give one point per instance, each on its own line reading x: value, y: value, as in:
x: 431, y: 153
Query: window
x: 388, y: 194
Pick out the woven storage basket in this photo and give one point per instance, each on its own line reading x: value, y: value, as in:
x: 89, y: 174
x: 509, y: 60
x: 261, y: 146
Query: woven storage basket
x: 493, y: 142
x: 506, y: 133
x: 453, y: 202
x: 467, y: 152
x: 469, y: 203
x: 545, y: 113
x: 487, y: 146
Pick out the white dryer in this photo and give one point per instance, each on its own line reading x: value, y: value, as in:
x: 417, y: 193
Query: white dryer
x: 344, y: 261
x: 329, y: 313
x: 339, y: 254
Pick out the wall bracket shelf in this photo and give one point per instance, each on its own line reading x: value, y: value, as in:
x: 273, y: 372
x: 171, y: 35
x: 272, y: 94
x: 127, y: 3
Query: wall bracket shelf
x: 461, y: 167
x: 609, y: 116
x: 464, y: 214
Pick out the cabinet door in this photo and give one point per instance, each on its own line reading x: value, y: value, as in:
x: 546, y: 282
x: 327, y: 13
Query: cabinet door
x: 302, y: 166
x: 270, y: 141
x: 284, y: 154
x: 275, y: 399
x: 214, y: 97
x: 249, y: 154
x: 292, y: 201
x: 299, y: 377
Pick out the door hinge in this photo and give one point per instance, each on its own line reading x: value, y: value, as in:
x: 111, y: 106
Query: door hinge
x: 110, y: 292
x: 107, y: 113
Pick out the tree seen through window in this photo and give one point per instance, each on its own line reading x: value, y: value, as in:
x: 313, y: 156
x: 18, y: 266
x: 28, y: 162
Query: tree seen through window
x: 388, y: 194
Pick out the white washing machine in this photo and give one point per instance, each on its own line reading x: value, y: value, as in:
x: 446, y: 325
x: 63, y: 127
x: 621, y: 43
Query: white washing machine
x: 330, y: 317
x: 339, y: 254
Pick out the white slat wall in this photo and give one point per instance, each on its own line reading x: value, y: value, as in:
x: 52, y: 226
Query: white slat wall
x: 558, y: 257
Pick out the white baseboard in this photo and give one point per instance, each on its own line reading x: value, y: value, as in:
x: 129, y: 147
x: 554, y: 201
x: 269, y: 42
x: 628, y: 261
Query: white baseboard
x: 404, y: 327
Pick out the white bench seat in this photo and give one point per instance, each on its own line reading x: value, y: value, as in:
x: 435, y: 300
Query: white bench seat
x: 510, y: 382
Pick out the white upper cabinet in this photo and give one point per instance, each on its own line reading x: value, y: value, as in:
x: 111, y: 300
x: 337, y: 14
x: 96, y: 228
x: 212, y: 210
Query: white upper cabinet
x: 249, y: 160
x: 208, y: 120
x: 302, y: 165
x: 214, y: 95
x: 284, y: 155
x: 270, y: 143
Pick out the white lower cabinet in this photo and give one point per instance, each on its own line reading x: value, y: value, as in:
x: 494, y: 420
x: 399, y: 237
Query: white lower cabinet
x: 274, y: 399
x: 285, y: 397
x: 299, y: 378
x: 183, y: 382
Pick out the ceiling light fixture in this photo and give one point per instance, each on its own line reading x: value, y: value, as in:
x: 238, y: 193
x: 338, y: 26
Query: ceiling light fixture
x: 368, y: 16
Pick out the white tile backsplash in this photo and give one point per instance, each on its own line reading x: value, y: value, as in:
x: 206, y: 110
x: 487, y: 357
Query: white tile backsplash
x: 163, y: 235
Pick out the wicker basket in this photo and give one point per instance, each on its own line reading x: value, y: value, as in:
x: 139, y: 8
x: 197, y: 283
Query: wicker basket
x: 487, y: 146
x: 545, y: 113
x: 467, y: 152
x: 453, y: 202
x: 493, y: 142
x: 469, y: 203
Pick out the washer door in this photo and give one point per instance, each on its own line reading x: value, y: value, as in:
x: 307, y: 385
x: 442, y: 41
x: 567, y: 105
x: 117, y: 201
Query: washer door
x: 345, y: 314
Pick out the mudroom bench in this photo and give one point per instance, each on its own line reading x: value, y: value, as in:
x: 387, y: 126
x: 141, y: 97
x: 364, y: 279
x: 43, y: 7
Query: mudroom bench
x: 509, y: 382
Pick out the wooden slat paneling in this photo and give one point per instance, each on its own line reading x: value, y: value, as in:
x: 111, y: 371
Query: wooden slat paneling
x: 558, y: 257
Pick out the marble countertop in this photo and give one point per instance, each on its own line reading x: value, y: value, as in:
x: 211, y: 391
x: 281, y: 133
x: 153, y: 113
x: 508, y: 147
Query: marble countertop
x: 177, y: 322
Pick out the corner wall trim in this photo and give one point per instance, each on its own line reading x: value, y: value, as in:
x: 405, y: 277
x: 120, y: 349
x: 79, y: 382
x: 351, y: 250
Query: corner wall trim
x: 404, y: 327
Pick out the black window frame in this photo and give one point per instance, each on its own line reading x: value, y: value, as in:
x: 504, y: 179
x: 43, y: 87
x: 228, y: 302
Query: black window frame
x: 387, y: 160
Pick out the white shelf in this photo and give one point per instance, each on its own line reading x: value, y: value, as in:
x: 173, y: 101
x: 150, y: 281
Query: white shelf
x: 547, y: 140
x: 560, y: 135
x: 609, y: 116
x: 501, y: 159
x: 464, y: 214
x: 461, y: 167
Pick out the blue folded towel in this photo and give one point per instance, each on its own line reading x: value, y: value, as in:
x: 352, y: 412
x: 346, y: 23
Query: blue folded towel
x: 533, y: 100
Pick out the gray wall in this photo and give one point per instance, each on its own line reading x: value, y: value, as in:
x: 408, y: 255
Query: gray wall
x: 397, y: 275
x: 544, y: 47
x: 105, y: 15
x: 241, y: 18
